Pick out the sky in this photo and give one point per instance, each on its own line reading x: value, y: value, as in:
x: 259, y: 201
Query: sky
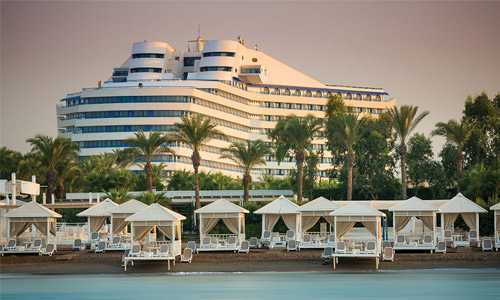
x: 429, y: 54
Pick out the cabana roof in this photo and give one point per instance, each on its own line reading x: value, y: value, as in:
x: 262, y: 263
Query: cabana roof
x: 99, y: 210
x: 221, y: 206
x: 130, y: 207
x: 280, y: 206
x: 387, y: 204
x: 413, y: 204
x: 319, y: 204
x: 460, y: 204
x: 495, y: 207
x: 357, y: 209
x: 155, y: 212
x: 32, y: 210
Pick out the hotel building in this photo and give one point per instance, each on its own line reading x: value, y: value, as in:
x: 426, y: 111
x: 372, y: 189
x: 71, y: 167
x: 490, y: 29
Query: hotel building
x: 242, y: 90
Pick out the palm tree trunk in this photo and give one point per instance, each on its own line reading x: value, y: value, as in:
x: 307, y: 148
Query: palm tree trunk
x: 51, y: 178
x: 299, y: 158
x: 149, y: 175
x: 247, y: 179
x: 460, y: 162
x: 350, y: 164
x: 195, y: 158
x: 402, y: 153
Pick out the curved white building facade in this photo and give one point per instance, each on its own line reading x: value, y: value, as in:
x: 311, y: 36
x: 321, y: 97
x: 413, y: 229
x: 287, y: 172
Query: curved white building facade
x: 243, y: 91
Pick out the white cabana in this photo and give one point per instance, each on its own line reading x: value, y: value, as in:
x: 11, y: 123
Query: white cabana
x: 311, y: 212
x: 460, y: 205
x: 32, y: 213
x: 158, y: 217
x: 281, y: 207
x: 121, y: 212
x: 231, y: 214
x: 346, y: 217
x: 97, y: 215
x: 414, y: 207
x: 496, y: 223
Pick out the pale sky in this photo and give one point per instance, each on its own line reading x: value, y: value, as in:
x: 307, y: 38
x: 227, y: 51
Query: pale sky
x: 429, y: 54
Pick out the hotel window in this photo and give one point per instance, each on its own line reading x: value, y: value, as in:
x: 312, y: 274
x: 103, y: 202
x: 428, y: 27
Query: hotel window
x: 189, y: 61
x: 358, y: 96
x: 378, y: 98
x: 268, y: 104
x: 318, y: 94
x: 308, y: 93
x: 278, y: 105
x: 287, y: 92
x: 250, y: 70
x: 208, y: 54
x: 289, y: 105
x: 225, y: 69
x: 177, y: 58
x: 148, y: 55
x: 368, y: 97
x: 349, y: 96
x: 329, y: 94
x: 297, y: 93
x: 266, y: 91
x: 145, y: 70
x: 299, y: 106
x: 276, y: 91
x: 339, y: 95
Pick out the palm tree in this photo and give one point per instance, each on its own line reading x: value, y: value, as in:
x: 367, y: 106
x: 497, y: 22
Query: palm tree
x: 404, y: 120
x: 458, y: 134
x: 146, y: 147
x: 347, y: 130
x: 125, y: 157
x: 247, y: 156
x: 195, y: 132
x: 53, y: 153
x: 295, y: 134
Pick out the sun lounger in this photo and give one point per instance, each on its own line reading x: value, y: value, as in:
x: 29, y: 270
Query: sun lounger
x: 474, y: 237
x: 266, y: 237
x: 331, y: 240
x: 388, y: 254
x: 49, y: 250
x: 244, y: 247
x: 306, y: 240
x: 94, y: 237
x: 11, y: 245
x: 487, y: 244
x: 37, y: 245
x: 385, y: 244
x: 427, y: 240
x: 231, y: 242
x: 340, y: 247
x: 187, y: 255
x: 115, y: 242
x: 400, y: 241
x: 441, y: 247
x: 371, y: 248
x: 447, y: 236
x: 254, y: 242
x: 101, y: 247
x: 77, y: 244
x: 135, y: 251
x: 327, y: 253
x: 191, y: 245
x: 163, y: 251
x: 206, y: 242
x: 290, y: 235
x: 291, y: 245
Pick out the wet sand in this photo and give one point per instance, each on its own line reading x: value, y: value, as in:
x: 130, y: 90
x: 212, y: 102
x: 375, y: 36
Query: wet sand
x: 67, y: 261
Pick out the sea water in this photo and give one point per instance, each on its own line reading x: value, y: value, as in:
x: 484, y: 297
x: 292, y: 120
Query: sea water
x: 415, y: 284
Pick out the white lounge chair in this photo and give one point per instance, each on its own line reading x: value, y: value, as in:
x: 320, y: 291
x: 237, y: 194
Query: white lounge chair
x: 441, y: 247
x: 163, y: 251
x: 327, y: 253
x: 49, y: 250
x: 206, y: 242
x: 447, y: 236
x: 400, y: 241
x: 135, y: 251
x: 11, y: 245
x: 473, y: 237
x: 427, y: 241
x: 290, y: 235
x: 291, y: 245
x: 487, y: 244
x: 77, y: 244
x: 244, y: 247
x: 191, y: 245
x: 331, y: 240
x: 266, y: 237
x: 306, y: 240
x: 94, y: 237
x: 101, y: 247
x: 385, y: 244
x: 254, y: 242
x: 371, y: 247
x: 388, y: 254
x: 115, y: 242
x: 231, y: 242
x: 37, y: 245
x: 187, y: 255
x: 340, y: 247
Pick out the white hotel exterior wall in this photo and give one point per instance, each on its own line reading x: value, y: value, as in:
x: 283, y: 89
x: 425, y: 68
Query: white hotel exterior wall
x: 255, y: 115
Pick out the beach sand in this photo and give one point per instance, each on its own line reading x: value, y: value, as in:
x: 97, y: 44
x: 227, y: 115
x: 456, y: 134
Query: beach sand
x: 67, y: 261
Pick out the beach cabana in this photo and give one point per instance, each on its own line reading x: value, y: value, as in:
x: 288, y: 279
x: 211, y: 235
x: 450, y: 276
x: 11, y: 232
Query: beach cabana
x: 460, y: 205
x: 156, y: 217
x: 32, y: 213
x: 311, y: 212
x: 121, y: 212
x: 401, y: 216
x: 284, y: 208
x: 97, y: 215
x: 496, y: 223
x: 231, y: 214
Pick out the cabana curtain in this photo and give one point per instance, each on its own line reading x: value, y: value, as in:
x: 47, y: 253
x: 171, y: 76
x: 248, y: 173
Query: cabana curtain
x: 401, y: 222
x: 270, y: 221
x: 470, y: 220
x: 118, y: 225
x: 448, y: 220
x: 209, y: 224
x: 167, y: 231
x: 343, y: 227
x: 290, y: 220
x: 372, y: 227
x: 242, y: 226
x: 17, y: 228
x: 498, y: 222
x: 308, y: 222
x: 96, y: 223
x: 231, y: 224
x: 140, y: 232
x: 330, y: 220
x: 428, y: 221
